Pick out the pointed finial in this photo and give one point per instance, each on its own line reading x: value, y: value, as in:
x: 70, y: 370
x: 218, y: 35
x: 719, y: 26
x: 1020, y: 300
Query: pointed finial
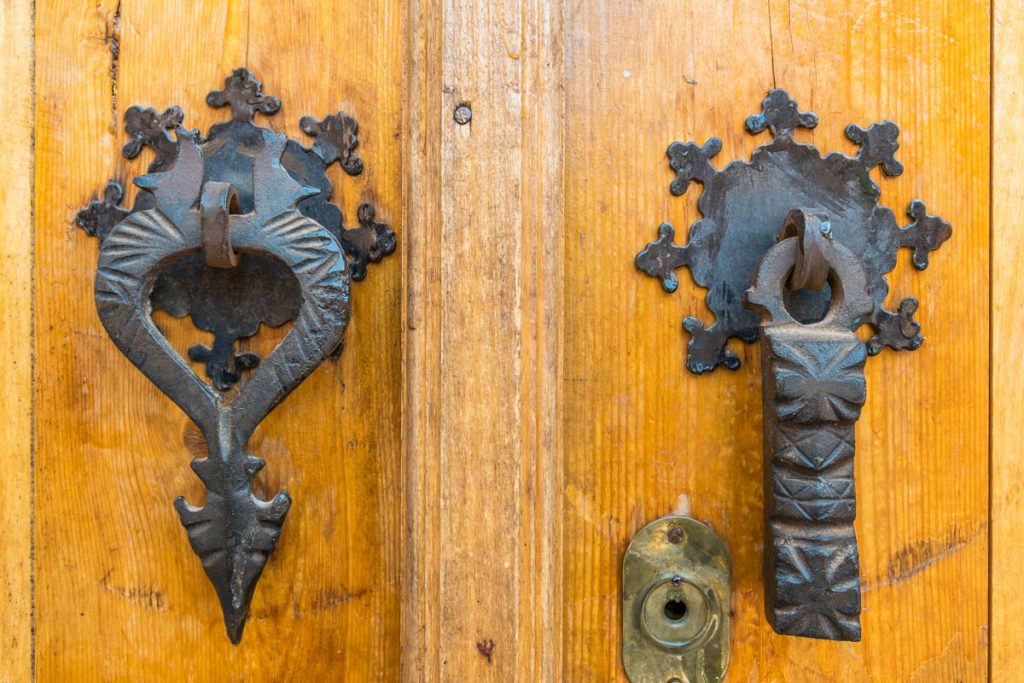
x: 274, y: 189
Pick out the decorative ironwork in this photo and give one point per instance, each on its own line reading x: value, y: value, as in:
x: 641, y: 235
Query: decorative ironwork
x: 813, y: 388
x: 823, y: 279
x: 235, y: 229
x: 744, y: 203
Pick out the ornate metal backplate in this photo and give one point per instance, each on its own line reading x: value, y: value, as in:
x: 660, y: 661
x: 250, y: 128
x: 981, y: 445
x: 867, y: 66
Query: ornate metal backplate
x: 744, y: 204
x: 236, y: 229
x: 815, y: 281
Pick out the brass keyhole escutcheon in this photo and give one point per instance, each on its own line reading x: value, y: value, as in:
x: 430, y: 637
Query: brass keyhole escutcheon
x: 675, y: 603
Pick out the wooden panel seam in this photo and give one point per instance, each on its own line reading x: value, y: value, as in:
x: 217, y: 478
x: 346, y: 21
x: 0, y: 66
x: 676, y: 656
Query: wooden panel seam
x: 421, y: 354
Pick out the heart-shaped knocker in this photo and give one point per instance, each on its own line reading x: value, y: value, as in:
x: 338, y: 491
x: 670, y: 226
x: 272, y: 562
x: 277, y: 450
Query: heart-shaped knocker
x: 193, y: 224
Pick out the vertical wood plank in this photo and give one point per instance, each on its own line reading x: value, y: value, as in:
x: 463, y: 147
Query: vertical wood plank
x: 421, y: 417
x: 344, y: 436
x: 1007, y: 504
x: 84, y: 526
x: 483, y: 393
x: 16, y: 162
x: 639, y: 430
x: 121, y: 595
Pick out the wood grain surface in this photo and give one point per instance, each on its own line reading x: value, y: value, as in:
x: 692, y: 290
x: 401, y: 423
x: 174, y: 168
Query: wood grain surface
x: 1007, y: 505
x: 16, y: 344
x: 119, y: 594
x: 639, y: 430
x: 484, y: 314
x: 511, y: 405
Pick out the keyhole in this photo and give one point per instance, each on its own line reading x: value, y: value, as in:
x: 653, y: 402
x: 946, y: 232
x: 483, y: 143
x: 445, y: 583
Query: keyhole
x: 675, y: 610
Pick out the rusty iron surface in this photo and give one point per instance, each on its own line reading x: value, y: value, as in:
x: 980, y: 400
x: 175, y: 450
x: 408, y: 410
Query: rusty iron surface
x: 813, y: 389
x: 232, y: 304
x: 235, y: 229
x: 815, y: 282
x: 743, y: 205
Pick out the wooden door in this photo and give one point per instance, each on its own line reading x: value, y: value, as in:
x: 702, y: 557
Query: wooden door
x: 511, y: 405
x: 117, y: 594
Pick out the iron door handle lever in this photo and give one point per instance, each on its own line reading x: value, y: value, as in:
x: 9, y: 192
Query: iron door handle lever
x: 822, y: 281
x: 812, y: 383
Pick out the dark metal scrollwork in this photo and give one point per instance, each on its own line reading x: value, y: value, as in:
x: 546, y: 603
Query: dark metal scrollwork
x: 816, y: 282
x: 235, y: 229
x: 743, y: 205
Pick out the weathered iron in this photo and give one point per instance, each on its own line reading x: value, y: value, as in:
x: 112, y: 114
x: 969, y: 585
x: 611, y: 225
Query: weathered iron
x: 235, y: 229
x: 813, y: 389
x: 822, y: 280
x: 232, y: 303
x: 743, y: 205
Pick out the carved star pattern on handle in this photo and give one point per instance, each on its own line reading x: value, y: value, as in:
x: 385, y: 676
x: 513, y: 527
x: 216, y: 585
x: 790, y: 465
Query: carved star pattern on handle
x: 813, y: 497
x: 817, y: 587
x: 819, y: 381
x: 818, y: 448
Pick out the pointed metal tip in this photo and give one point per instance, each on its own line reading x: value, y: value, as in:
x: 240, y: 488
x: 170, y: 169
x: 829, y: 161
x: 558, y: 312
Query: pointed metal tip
x: 235, y: 624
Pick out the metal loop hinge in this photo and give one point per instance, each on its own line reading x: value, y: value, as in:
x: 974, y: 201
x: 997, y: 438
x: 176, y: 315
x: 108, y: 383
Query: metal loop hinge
x: 216, y: 203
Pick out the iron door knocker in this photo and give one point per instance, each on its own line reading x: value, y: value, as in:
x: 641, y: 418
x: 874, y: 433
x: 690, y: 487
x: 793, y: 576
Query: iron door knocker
x: 234, y: 229
x: 823, y: 279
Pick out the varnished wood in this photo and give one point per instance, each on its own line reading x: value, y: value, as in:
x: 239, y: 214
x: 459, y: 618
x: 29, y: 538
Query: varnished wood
x: 119, y: 594
x: 421, y: 416
x: 1007, y: 505
x: 639, y: 430
x: 511, y: 404
x: 16, y: 343
x: 483, y: 339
